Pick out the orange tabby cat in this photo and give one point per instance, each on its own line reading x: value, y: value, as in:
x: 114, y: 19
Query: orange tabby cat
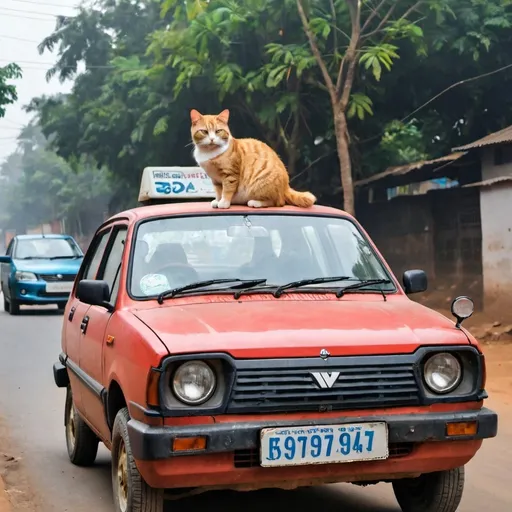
x: 243, y: 171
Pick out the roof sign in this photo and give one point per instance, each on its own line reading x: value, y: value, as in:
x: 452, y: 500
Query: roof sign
x: 175, y: 183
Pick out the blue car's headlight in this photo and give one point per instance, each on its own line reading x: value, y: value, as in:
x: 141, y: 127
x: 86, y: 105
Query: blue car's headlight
x: 24, y: 276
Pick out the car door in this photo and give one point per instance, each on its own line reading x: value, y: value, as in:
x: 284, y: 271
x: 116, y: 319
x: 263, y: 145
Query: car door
x: 94, y: 332
x: 77, y: 310
x: 5, y: 270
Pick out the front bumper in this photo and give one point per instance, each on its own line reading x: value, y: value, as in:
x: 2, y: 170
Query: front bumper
x: 34, y: 292
x: 151, y: 443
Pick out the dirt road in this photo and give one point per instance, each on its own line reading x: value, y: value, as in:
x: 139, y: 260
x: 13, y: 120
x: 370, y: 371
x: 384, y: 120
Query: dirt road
x: 39, y: 477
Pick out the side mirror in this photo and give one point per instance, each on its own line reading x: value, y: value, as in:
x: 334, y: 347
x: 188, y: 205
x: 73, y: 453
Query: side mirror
x: 462, y: 308
x: 94, y: 293
x: 415, y: 281
x: 5, y: 259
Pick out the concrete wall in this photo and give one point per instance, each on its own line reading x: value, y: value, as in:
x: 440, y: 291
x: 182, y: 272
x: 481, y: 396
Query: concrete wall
x: 438, y: 232
x: 489, y: 170
x: 496, y: 211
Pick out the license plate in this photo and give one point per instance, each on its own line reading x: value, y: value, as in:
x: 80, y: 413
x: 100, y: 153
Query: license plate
x: 59, y: 287
x: 294, y: 446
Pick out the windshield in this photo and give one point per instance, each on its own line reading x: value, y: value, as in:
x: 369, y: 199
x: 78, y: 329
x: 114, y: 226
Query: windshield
x: 179, y: 251
x: 42, y: 248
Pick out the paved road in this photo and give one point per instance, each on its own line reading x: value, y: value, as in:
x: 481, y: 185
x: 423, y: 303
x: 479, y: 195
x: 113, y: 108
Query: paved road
x: 31, y: 427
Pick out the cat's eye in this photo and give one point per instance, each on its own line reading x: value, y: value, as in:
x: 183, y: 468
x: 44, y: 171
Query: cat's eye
x: 203, y: 132
x: 219, y: 131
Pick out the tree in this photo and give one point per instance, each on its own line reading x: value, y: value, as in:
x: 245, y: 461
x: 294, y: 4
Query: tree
x: 41, y: 187
x: 129, y: 109
x: 231, y: 45
x: 8, y: 93
x: 113, y: 115
x: 370, y: 29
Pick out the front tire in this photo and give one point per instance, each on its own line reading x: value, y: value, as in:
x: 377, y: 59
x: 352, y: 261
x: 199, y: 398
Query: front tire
x: 81, y: 441
x: 131, y: 492
x: 14, y: 307
x: 431, y: 492
x: 6, y: 305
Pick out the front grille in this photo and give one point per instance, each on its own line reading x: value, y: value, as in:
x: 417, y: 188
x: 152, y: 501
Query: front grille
x: 288, y: 389
x: 250, y: 458
x: 52, y: 278
x: 52, y: 295
x: 400, y: 450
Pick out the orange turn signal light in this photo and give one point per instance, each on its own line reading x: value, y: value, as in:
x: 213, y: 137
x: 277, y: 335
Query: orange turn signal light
x: 468, y: 428
x: 187, y: 444
x: 152, y: 395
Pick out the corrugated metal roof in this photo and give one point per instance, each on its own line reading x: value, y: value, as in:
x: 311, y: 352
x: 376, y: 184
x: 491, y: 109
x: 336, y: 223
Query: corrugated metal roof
x: 501, y: 137
x: 404, y: 169
x: 490, y: 181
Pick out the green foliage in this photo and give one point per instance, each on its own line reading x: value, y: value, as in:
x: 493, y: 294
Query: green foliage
x: 359, y: 104
x: 8, y: 93
x: 377, y: 56
x: 41, y: 187
x: 476, y: 26
x: 149, y: 62
x: 404, y: 142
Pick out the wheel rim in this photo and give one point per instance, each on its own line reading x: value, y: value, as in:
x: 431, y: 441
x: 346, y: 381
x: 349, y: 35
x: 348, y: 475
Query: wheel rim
x: 71, y: 427
x: 122, y: 478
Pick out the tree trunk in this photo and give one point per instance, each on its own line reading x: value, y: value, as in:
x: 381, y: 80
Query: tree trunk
x: 342, y: 142
x: 293, y: 148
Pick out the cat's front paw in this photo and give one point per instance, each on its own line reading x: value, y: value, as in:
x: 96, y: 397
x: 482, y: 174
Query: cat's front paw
x: 224, y: 204
x: 215, y: 203
x: 259, y: 204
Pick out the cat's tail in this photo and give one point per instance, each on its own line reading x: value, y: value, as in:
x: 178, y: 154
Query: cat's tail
x: 300, y: 199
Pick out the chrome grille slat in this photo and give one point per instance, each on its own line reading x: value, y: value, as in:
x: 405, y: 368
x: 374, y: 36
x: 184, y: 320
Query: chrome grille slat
x: 52, y: 278
x: 286, y: 389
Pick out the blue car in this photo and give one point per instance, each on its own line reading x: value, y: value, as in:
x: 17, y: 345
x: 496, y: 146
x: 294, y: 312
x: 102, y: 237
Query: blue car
x: 39, y: 270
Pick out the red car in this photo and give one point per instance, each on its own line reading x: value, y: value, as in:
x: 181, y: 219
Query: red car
x: 253, y: 348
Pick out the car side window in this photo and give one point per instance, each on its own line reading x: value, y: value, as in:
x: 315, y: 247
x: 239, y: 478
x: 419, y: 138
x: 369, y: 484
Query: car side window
x: 9, y: 248
x: 99, y: 248
x: 112, y: 266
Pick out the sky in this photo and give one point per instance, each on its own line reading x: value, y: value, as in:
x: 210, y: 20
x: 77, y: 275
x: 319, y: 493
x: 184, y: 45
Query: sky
x: 23, y: 25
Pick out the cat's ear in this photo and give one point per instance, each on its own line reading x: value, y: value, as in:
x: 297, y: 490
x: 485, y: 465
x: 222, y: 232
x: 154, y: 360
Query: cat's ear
x: 224, y: 116
x: 195, y: 115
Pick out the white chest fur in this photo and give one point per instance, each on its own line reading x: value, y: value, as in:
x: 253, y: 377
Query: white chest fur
x: 202, y: 157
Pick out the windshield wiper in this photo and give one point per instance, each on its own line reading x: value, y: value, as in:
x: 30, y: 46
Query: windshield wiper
x: 362, y: 284
x: 63, y: 257
x: 201, y: 284
x: 304, y: 282
x: 240, y: 292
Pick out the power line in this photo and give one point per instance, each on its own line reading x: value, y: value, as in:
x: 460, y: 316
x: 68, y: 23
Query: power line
x: 31, y: 62
x: 39, y: 64
x: 28, y: 12
x: 5, y: 120
x: 19, y: 39
x: 25, y: 17
x: 461, y: 82
x: 449, y: 88
x: 45, y: 3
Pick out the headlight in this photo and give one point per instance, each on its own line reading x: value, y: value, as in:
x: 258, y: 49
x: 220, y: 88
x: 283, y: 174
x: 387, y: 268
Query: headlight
x: 25, y: 276
x: 442, y: 373
x: 194, y: 382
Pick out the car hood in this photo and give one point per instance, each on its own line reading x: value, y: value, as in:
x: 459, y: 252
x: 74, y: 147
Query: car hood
x: 299, y: 327
x: 47, y: 266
